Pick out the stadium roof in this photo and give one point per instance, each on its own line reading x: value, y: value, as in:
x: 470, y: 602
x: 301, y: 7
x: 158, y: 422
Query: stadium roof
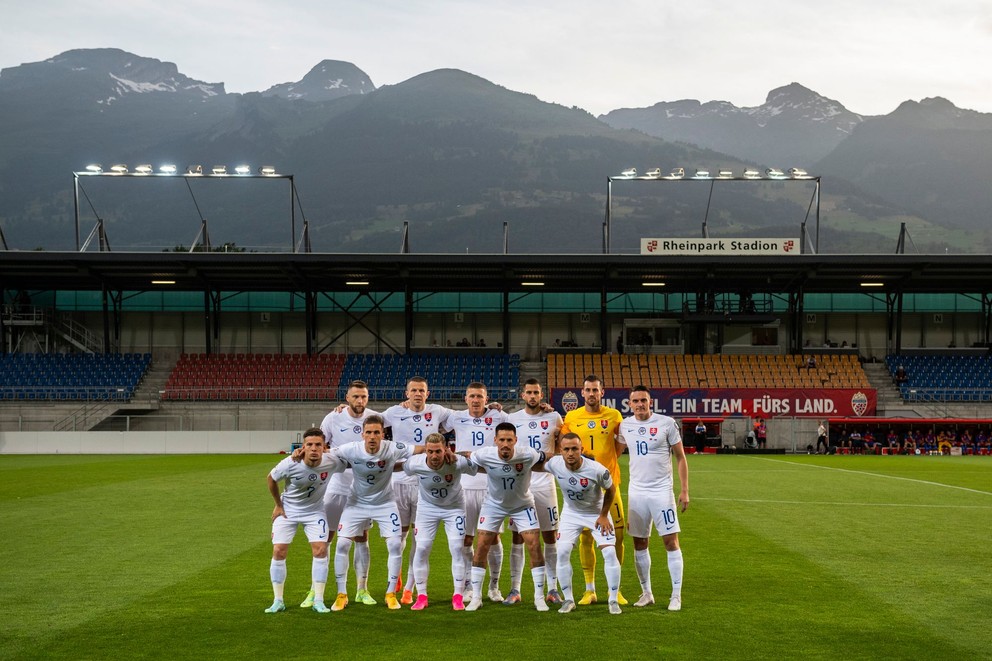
x: 134, y: 271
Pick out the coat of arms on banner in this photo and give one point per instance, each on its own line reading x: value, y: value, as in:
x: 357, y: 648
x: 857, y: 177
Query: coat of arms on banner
x: 859, y: 402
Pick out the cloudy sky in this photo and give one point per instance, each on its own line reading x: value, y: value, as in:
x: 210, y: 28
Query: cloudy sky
x: 868, y: 54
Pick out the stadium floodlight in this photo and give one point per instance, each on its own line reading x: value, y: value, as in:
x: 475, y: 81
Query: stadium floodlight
x: 167, y: 169
x: 194, y: 169
x: 872, y: 284
x: 357, y: 283
x: 218, y: 169
x: 775, y: 173
x: 95, y: 168
x: 798, y: 173
x: 267, y: 170
x: 243, y: 169
x: 163, y: 282
x: 652, y: 284
x: 702, y: 174
x: 119, y: 168
x: 725, y: 174
x: 629, y: 172
x: 653, y: 173
x: 144, y: 168
x: 751, y: 173
x: 677, y: 173
x: 531, y: 283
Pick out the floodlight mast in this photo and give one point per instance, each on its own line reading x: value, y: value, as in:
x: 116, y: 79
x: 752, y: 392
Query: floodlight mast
x: 192, y: 172
x: 749, y: 174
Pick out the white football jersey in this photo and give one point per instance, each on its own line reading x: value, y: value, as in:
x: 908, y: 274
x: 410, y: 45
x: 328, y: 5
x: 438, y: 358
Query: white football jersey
x: 441, y: 487
x: 582, y: 490
x: 412, y: 427
x: 508, y: 481
x: 473, y: 433
x: 372, y: 485
x: 649, y: 443
x: 305, y: 485
x: 340, y: 428
x: 539, y: 432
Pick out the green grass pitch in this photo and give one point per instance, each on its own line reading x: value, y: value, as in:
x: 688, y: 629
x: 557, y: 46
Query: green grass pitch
x: 785, y: 557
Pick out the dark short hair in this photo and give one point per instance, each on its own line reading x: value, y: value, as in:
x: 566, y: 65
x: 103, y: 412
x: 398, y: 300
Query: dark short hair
x: 592, y: 378
x: 477, y: 384
x: 416, y: 379
x: 571, y: 435
x: 314, y: 431
x: 374, y: 420
x: 532, y: 382
x: 506, y: 426
x: 358, y: 383
x: 640, y: 387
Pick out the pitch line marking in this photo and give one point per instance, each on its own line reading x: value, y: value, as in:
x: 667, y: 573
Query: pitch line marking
x: 891, y: 477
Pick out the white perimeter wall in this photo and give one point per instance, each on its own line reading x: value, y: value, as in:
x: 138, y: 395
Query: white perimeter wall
x: 220, y: 442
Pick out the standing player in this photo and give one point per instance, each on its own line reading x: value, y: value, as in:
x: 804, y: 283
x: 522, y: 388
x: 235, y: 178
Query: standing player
x: 441, y: 501
x: 411, y: 424
x: 475, y: 428
x: 301, y: 503
x: 540, y: 429
x: 508, y: 472
x: 342, y: 426
x: 371, y: 500
x: 597, y: 426
x: 589, y: 493
x: 653, y: 439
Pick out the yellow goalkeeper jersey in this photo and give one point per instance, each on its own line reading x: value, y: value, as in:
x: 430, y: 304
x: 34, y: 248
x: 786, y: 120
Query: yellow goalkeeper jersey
x: 598, y: 433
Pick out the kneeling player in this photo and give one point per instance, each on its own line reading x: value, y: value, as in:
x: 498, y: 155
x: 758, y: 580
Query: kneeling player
x: 441, y: 501
x: 301, y: 503
x: 588, y: 496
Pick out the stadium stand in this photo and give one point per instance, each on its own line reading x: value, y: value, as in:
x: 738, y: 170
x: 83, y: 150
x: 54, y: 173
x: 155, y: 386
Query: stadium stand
x: 71, y: 376
x: 943, y: 378
x: 707, y: 371
x: 281, y: 377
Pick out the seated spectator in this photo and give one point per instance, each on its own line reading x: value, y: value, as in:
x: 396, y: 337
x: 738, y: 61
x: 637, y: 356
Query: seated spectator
x: 893, y: 441
x: 901, y: 376
x: 811, y: 363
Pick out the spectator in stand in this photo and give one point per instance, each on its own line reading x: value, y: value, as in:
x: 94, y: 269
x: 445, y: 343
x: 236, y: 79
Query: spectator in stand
x: 762, y: 433
x: 901, y: 376
x: 811, y: 363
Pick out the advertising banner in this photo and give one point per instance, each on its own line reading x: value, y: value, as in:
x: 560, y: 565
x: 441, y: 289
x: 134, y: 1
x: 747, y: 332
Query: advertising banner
x: 721, y: 246
x: 745, y: 402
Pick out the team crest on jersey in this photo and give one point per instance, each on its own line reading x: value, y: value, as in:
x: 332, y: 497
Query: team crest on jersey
x: 859, y: 402
x: 506, y: 468
x: 482, y: 519
x: 381, y: 464
x: 428, y: 416
x: 323, y: 476
x: 532, y: 425
x: 584, y: 482
x: 571, y: 481
x: 340, y: 527
x: 591, y: 424
x: 416, y: 418
x: 370, y: 464
x: 654, y: 430
x: 449, y: 478
x: 357, y: 429
x: 640, y: 431
x: 604, y: 424
x: 489, y: 421
x: 519, y: 467
x: 544, y: 424
x: 476, y: 421
x: 569, y: 401
x: 437, y: 478
x: 312, y: 477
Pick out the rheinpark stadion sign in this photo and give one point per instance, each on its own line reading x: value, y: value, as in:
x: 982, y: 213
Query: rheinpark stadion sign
x: 721, y: 246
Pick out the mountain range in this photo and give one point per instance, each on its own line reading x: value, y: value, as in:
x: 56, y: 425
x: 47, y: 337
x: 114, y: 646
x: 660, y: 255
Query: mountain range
x: 456, y: 156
